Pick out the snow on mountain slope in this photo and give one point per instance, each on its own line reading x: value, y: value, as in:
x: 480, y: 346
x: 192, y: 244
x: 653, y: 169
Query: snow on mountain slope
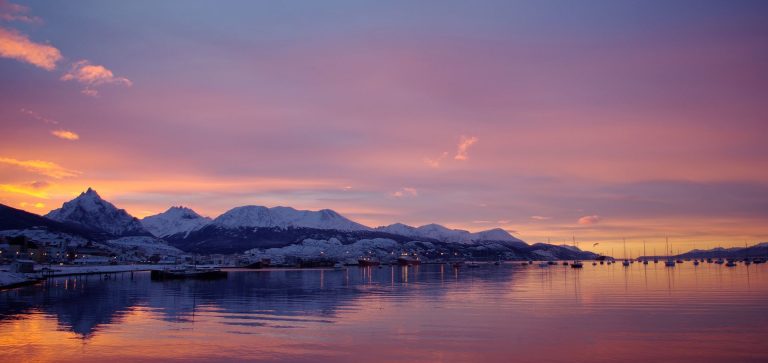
x: 400, y: 229
x: 173, y: 221
x: 496, y: 234
x: 329, y: 249
x: 441, y: 233
x: 46, y: 236
x: 90, y: 211
x: 145, y: 244
x: 258, y: 216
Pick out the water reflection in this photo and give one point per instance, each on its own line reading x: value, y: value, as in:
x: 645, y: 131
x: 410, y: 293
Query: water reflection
x: 428, y: 312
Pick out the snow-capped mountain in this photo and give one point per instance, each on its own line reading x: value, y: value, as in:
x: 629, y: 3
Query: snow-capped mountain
x: 173, y: 221
x: 495, y: 234
x: 284, y: 217
x: 399, y: 229
x: 444, y: 234
x: 90, y: 211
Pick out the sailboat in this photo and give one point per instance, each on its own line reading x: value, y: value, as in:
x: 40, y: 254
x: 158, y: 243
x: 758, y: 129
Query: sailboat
x: 695, y: 260
x: 577, y: 263
x: 747, y: 262
x: 645, y: 257
x: 670, y: 262
x: 626, y: 262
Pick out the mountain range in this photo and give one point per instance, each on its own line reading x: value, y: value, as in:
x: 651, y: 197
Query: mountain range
x: 245, y: 228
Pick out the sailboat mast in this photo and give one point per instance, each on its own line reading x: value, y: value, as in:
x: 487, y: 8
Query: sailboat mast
x: 625, y: 248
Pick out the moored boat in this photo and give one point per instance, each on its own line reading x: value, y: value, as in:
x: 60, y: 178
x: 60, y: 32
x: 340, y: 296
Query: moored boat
x: 188, y: 273
x: 408, y: 260
x: 368, y: 261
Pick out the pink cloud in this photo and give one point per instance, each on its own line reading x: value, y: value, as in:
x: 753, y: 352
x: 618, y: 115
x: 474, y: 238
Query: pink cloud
x: 17, y: 46
x: 435, y: 163
x: 16, y: 12
x: 589, y: 220
x: 463, y: 147
x: 93, y: 75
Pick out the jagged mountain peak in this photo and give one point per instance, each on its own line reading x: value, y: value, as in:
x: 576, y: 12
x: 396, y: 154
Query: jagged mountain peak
x: 89, y: 210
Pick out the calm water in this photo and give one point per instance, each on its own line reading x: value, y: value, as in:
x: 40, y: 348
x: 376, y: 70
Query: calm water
x: 427, y: 313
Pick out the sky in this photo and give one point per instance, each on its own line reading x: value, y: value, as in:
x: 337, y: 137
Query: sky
x: 593, y: 120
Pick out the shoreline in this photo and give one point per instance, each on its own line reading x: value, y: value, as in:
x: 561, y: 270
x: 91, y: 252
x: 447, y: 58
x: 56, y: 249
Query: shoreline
x: 11, y: 280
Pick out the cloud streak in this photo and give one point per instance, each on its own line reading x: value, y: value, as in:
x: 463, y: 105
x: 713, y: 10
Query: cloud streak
x: 405, y: 192
x: 16, y: 45
x: 93, y: 75
x: 16, y: 12
x: 60, y: 133
x: 41, y: 167
x: 39, y: 117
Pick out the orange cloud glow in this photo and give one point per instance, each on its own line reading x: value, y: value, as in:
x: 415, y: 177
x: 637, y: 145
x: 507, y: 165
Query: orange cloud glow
x: 18, y: 46
x: 36, y: 205
x: 41, y: 167
x: 66, y: 135
x: 24, y: 190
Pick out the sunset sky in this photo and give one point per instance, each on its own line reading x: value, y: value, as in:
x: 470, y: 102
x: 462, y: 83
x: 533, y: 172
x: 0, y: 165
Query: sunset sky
x: 601, y: 120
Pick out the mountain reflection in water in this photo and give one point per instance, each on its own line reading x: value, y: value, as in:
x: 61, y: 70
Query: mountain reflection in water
x: 421, y: 313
